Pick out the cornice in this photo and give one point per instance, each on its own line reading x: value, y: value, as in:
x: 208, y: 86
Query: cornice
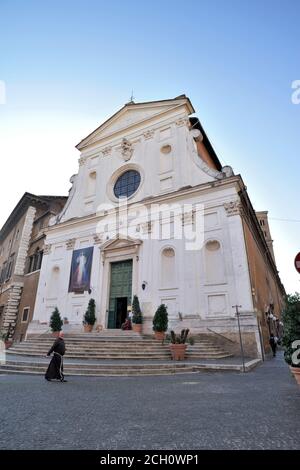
x: 234, y: 181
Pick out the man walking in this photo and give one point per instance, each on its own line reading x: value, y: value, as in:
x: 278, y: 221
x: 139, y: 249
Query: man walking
x: 273, y: 343
x: 55, y: 369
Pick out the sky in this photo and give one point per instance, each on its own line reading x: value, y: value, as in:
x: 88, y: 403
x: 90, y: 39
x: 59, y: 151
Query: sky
x: 66, y: 66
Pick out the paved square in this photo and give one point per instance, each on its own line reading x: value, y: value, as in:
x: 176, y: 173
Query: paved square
x: 224, y: 410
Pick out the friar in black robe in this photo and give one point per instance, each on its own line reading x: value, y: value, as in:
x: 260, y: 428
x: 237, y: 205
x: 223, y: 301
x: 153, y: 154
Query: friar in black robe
x: 55, y: 369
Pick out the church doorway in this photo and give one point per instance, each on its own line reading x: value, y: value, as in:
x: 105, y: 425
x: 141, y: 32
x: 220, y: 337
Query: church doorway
x: 120, y: 292
x: 121, y: 310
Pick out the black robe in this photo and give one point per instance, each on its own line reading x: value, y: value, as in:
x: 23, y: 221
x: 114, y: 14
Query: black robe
x: 55, y: 369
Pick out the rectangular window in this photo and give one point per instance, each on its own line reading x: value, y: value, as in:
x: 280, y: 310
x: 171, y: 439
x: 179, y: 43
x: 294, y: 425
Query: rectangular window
x: 25, y: 315
x: 9, y: 268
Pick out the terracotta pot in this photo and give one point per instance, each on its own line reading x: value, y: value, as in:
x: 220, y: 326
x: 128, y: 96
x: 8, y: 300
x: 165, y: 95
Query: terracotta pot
x: 8, y: 344
x: 55, y: 334
x: 160, y: 335
x: 178, y: 351
x: 88, y: 328
x: 296, y: 372
x: 137, y: 327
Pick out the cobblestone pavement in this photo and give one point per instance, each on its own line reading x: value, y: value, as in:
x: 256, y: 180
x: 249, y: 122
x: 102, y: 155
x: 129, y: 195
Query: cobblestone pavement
x: 220, y: 410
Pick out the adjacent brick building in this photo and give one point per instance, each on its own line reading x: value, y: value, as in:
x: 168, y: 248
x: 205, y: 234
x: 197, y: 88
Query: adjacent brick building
x: 21, y: 253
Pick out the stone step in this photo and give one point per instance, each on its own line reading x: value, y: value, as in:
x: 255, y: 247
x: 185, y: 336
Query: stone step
x: 107, y: 341
x: 127, y: 355
x: 132, y: 347
x: 120, y: 370
x: 115, y: 345
x: 105, y: 373
x: 109, y: 345
x: 96, y: 365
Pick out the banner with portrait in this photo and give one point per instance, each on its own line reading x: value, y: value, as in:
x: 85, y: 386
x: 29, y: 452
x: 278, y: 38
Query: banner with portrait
x: 80, y: 277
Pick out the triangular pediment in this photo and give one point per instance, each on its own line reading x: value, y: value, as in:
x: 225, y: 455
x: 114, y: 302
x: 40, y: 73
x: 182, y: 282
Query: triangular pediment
x: 133, y: 114
x: 118, y: 243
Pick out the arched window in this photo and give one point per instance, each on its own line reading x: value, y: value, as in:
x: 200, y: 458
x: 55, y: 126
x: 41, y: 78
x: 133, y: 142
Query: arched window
x: 168, y: 268
x: 214, y: 264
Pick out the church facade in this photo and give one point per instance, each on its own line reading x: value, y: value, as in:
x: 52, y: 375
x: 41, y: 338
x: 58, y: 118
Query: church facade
x: 152, y: 212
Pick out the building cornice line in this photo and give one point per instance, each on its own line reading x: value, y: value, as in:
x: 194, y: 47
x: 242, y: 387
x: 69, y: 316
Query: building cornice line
x: 234, y: 180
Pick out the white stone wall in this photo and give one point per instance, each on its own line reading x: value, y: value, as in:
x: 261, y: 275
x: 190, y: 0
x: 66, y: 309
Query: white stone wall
x: 161, y: 173
x: 192, y: 294
x: 203, y: 295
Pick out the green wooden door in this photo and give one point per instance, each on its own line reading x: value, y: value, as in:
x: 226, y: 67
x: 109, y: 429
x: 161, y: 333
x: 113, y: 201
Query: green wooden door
x: 120, y: 286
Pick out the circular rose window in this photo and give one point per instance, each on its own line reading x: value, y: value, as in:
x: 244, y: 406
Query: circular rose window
x: 127, y: 184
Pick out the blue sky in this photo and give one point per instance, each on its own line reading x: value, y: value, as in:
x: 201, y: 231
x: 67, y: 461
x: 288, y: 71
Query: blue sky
x: 67, y: 66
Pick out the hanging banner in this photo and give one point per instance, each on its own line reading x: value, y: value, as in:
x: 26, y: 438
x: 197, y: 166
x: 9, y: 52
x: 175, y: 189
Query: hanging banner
x: 80, y: 277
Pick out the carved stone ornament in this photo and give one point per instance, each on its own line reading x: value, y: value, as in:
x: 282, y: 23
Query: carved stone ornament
x: 181, y: 122
x: 70, y: 243
x: 81, y: 161
x: 47, y: 249
x: 149, y: 134
x: 97, y: 239
x: 233, y: 208
x: 126, y: 149
x: 147, y: 227
x: 106, y: 151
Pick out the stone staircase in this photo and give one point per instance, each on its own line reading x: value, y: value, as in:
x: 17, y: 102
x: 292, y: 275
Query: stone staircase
x: 108, y: 353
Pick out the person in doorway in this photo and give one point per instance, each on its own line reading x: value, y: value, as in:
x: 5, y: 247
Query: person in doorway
x: 273, y: 343
x: 55, y: 369
x: 129, y: 313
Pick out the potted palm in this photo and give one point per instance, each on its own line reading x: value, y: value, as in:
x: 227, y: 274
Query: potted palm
x: 137, y: 318
x: 291, y: 335
x: 178, y: 345
x: 89, y: 319
x: 160, y: 322
x: 55, y: 322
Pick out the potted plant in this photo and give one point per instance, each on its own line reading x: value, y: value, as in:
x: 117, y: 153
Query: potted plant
x: 160, y: 322
x: 178, y: 345
x: 55, y: 322
x: 137, y: 318
x: 89, y: 319
x: 291, y: 335
x: 66, y: 321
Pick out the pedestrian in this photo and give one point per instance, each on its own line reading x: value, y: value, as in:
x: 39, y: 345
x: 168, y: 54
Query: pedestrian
x: 130, y: 313
x: 273, y: 343
x: 127, y: 324
x: 55, y: 369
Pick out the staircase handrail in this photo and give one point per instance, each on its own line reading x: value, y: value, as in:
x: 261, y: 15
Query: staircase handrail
x: 219, y: 334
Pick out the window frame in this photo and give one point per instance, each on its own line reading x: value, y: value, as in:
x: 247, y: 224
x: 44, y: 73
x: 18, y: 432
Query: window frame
x: 22, y: 319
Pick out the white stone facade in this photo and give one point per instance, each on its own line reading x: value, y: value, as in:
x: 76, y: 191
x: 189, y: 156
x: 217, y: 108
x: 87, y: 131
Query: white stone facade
x: 198, y: 286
